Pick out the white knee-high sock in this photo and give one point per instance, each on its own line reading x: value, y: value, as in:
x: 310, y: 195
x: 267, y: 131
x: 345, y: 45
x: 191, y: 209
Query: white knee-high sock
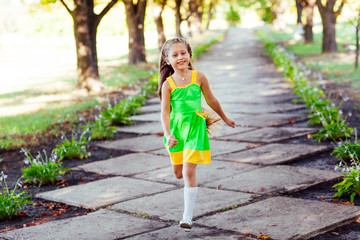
x: 190, y: 194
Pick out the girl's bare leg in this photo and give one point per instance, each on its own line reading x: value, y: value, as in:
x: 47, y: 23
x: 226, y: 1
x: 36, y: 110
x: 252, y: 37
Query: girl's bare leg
x: 178, y: 171
x: 189, y: 173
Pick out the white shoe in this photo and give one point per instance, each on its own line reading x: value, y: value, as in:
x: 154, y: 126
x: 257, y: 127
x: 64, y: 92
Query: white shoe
x: 187, y: 224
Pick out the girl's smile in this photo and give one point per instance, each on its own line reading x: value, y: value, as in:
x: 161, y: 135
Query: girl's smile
x: 178, y: 57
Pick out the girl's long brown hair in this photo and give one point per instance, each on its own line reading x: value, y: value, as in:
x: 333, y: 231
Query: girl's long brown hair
x: 166, y: 70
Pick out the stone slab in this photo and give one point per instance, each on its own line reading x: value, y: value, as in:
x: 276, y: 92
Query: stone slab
x: 102, y: 224
x: 170, y: 205
x: 262, y: 108
x: 204, y: 173
x: 219, y: 147
x: 196, y: 233
x: 136, y: 144
x: 104, y: 192
x: 266, y: 120
x: 127, y: 164
x: 275, y: 179
x: 270, y: 134
x: 225, y: 131
x: 284, y: 218
x: 256, y: 99
x: 274, y: 153
x: 143, y: 128
x: 150, y: 108
x: 154, y: 117
x: 154, y: 100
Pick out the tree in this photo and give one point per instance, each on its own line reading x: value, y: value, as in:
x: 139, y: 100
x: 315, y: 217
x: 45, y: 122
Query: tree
x: 328, y: 17
x: 354, y: 19
x: 86, y: 22
x: 299, y: 8
x: 210, y: 12
x: 357, y: 42
x: 178, y: 18
x: 195, y: 12
x: 135, y: 16
x: 308, y: 9
x: 158, y: 8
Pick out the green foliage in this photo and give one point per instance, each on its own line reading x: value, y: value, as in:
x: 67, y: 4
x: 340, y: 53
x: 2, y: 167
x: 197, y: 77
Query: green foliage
x: 350, y: 183
x: 11, y: 203
x: 333, y: 130
x: 232, y: 17
x: 42, y: 169
x: 120, y: 113
x: 5, y: 143
x: 100, y: 129
x: 74, y: 148
x: 37, y: 123
x: 323, y: 112
x: 347, y: 150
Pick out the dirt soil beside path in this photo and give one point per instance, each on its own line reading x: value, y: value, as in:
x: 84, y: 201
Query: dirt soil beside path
x: 42, y: 211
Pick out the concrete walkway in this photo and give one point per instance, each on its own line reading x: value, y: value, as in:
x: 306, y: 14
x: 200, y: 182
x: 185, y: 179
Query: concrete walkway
x: 238, y: 193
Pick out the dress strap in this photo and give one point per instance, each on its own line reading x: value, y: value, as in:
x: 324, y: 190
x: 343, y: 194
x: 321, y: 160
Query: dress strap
x: 171, y: 82
x: 193, y: 76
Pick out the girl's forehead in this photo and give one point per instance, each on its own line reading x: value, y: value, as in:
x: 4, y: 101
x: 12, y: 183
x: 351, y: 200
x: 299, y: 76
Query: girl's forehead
x: 178, y: 47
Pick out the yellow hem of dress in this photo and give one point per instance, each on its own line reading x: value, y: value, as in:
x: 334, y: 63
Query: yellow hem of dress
x: 190, y: 156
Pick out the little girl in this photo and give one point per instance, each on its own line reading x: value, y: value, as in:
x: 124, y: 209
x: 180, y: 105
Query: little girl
x: 183, y: 122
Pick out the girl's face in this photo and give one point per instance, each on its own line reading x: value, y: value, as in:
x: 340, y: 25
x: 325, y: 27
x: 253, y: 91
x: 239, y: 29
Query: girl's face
x: 179, y: 57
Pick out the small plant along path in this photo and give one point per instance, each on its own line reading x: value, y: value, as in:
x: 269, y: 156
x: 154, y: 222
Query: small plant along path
x: 254, y: 188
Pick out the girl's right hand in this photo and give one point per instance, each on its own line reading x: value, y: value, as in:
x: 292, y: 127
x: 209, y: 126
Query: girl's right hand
x: 171, y: 141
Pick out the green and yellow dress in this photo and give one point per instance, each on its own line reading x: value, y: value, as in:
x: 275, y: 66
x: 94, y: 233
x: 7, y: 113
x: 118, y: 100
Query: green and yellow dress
x: 188, y: 124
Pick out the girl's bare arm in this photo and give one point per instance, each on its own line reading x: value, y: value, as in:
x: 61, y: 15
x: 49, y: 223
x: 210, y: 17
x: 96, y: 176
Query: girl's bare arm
x: 212, y: 101
x: 165, y: 114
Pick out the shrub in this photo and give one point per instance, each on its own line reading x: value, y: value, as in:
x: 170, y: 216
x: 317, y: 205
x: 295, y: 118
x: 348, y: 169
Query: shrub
x: 11, y: 203
x: 350, y: 183
x: 348, y: 150
x: 76, y: 148
x: 42, y: 169
x: 333, y: 130
x: 100, y: 129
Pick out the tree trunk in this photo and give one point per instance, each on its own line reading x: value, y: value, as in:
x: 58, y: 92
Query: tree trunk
x: 188, y: 21
x: 85, y: 28
x: 87, y: 67
x: 328, y: 17
x: 135, y: 15
x: 196, y: 12
x: 178, y: 18
x: 329, y: 34
x: 357, y: 45
x: 199, y: 12
x: 299, y: 9
x: 157, y: 13
x: 309, y: 15
x: 211, y: 12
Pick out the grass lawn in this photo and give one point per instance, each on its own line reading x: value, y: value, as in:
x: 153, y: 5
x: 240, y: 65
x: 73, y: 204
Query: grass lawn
x: 337, y: 67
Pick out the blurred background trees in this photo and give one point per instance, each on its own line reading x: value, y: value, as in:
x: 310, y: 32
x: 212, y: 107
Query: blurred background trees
x: 188, y: 18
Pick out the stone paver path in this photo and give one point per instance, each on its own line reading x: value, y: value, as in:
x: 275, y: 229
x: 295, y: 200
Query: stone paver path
x: 143, y: 199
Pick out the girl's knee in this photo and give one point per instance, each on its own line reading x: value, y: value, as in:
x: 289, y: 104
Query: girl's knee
x: 178, y: 175
x: 178, y: 171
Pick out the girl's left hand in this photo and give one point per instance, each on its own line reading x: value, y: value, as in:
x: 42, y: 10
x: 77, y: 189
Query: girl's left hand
x: 230, y: 122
